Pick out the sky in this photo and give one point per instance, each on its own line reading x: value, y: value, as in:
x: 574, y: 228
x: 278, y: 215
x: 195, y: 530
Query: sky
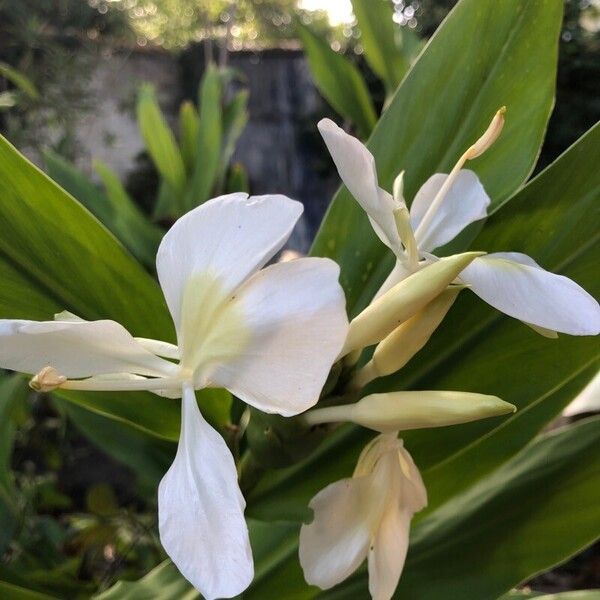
x: 339, y: 11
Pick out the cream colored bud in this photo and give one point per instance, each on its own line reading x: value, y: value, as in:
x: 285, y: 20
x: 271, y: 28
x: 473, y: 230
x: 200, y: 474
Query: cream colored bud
x: 405, y: 341
x: 490, y: 135
x: 407, y: 236
x: 398, y: 188
x: 400, y: 411
x: 47, y: 380
x: 404, y: 300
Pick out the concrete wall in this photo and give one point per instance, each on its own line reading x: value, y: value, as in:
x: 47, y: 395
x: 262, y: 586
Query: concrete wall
x: 280, y: 146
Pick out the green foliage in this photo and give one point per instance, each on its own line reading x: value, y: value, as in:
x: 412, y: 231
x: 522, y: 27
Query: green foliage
x: 114, y: 208
x: 197, y: 168
x: 387, y: 47
x: 160, y: 141
x: 443, y: 105
x: 339, y: 80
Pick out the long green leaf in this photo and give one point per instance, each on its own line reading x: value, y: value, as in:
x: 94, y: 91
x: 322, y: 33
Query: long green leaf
x: 443, y: 105
x: 235, y: 119
x: 209, y: 141
x: 159, y: 139
x: 339, y: 81
x: 379, y: 36
x: 20, y: 80
x: 129, y: 223
x: 14, y: 592
x: 189, y: 123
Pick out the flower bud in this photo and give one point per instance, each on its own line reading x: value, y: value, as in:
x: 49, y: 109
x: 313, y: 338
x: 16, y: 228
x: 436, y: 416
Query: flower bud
x: 490, y: 135
x: 405, y: 341
x: 397, y: 411
x: 404, y: 300
x: 47, y: 380
x: 400, y: 411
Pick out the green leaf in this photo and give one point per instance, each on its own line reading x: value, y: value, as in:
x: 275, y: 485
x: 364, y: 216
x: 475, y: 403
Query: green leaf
x: 54, y: 256
x: 237, y: 179
x: 339, y: 81
x: 79, y: 186
x: 235, y: 119
x: 129, y: 223
x: 189, y: 123
x: 59, y: 253
x: 443, y: 105
x: 162, y: 583
x: 208, y: 153
x: 379, y: 36
x: 14, y: 592
x: 20, y: 80
x: 159, y: 139
x: 116, y: 209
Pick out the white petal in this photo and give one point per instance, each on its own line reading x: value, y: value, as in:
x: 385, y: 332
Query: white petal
x: 296, y: 325
x: 201, y: 510
x: 587, y: 401
x: 75, y: 348
x: 527, y: 292
x: 337, y: 541
x: 356, y: 167
x: 227, y: 239
x: 397, y: 274
x: 406, y: 495
x: 466, y: 201
x: 388, y: 553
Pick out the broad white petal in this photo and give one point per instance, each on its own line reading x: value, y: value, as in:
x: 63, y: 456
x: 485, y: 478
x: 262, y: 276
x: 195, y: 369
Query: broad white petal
x: 466, y: 201
x: 75, y: 348
x: 336, y: 542
x: 356, y: 167
x: 533, y: 295
x: 226, y: 240
x: 587, y: 401
x: 201, y: 510
x: 387, y: 553
x: 292, y: 327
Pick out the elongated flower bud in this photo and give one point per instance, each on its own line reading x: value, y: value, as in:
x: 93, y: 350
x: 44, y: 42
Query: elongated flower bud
x: 404, y: 300
x: 490, y: 135
x: 405, y: 341
x: 400, y: 411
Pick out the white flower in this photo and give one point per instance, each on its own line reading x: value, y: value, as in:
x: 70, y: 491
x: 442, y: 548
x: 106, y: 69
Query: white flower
x: 268, y: 336
x: 510, y: 282
x: 367, y: 515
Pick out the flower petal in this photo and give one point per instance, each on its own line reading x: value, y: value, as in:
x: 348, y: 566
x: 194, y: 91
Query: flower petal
x: 297, y: 324
x: 406, y: 495
x: 336, y: 542
x: 466, y: 201
x: 75, y: 349
x: 201, y: 510
x: 388, y: 553
x: 227, y: 239
x: 522, y: 289
x: 356, y: 167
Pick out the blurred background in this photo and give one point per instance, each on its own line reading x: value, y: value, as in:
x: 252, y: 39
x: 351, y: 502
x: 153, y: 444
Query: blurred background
x: 101, y: 94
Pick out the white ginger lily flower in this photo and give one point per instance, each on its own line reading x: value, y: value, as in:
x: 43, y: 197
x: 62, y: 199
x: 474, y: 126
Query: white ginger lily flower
x: 269, y: 336
x: 366, y: 516
x: 444, y: 205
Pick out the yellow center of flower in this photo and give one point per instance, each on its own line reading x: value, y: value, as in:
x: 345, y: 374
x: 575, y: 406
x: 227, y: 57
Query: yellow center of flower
x: 214, y: 327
